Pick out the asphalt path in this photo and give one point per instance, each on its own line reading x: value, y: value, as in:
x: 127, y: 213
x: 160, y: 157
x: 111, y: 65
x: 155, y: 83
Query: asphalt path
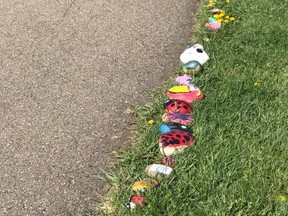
x: 68, y: 71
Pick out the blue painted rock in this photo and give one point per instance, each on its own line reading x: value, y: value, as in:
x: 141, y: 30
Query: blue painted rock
x: 174, y: 142
x: 177, y: 106
x: 212, y: 20
x: 182, y: 118
x: 171, y: 126
x: 192, y: 67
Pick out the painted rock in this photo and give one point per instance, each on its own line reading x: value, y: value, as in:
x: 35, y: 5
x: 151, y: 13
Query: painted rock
x: 168, y: 161
x: 179, y: 89
x: 194, y: 53
x: 159, y: 171
x: 174, y: 142
x: 177, y: 106
x: 190, y: 97
x: 195, y: 46
x: 184, y: 80
x: 216, y: 11
x: 171, y: 126
x: 210, y: 5
x: 144, y: 185
x: 212, y: 20
x: 135, y: 200
x: 192, y: 67
x: 213, y: 26
x: 182, y: 118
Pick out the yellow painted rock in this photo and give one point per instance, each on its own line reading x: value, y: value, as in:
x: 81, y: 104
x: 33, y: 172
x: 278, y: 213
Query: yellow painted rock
x: 143, y: 185
x: 179, y: 89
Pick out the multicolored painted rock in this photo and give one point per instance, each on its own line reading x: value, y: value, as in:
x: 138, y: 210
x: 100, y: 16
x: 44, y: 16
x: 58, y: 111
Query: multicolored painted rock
x: 174, y: 142
x: 184, y: 80
x: 177, y: 106
x: 189, y: 97
x: 145, y: 184
x: 136, y: 200
x: 182, y: 118
x: 194, y: 53
x: 159, y: 171
x: 192, y: 67
x: 171, y: 126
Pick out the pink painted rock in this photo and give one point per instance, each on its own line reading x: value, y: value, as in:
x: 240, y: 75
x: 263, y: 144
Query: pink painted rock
x: 184, y: 80
x: 213, y: 26
x: 189, y: 97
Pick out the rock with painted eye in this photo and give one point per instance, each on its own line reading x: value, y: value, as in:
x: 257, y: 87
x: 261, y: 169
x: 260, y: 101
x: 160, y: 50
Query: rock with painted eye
x: 174, y: 142
x: 182, y: 118
x: 177, y: 106
x: 171, y: 126
x: 194, y: 53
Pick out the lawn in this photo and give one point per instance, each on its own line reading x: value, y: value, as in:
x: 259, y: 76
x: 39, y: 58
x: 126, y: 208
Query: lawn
x: 239, y: 164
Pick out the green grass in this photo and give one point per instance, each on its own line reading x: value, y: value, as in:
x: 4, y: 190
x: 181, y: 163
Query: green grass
x: 239, y: 165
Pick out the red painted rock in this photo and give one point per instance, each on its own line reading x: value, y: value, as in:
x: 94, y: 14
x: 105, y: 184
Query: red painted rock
x: 177, y: 106
x: 136, y: 200
x: 176, y: 141
x: 168, y: 161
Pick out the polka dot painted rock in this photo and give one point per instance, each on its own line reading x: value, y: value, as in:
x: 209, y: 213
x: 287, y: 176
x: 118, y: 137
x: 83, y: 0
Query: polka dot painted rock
x: 174, y: 142
x: 177, y: 106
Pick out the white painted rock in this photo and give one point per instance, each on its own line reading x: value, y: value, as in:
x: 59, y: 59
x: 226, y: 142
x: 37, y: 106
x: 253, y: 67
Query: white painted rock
x: 159, y: 170
x: 194, y: 53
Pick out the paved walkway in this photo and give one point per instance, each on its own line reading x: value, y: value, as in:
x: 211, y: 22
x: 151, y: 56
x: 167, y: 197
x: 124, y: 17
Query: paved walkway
x: 69, y: 69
